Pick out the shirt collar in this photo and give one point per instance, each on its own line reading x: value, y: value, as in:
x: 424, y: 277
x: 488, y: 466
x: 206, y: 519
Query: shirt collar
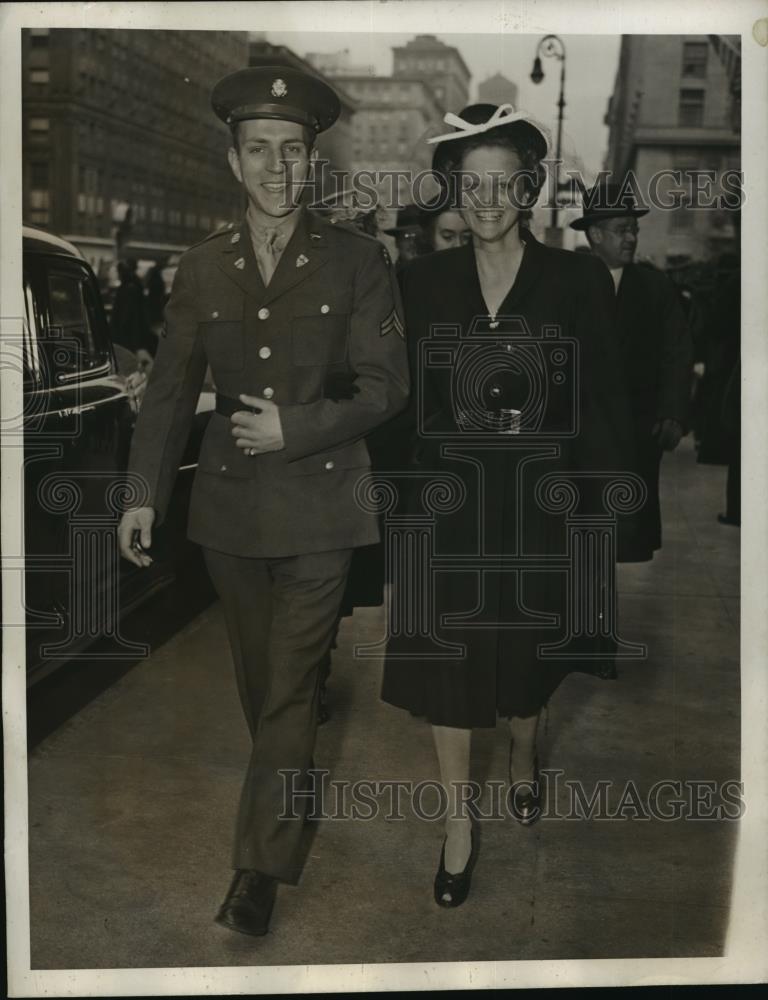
x: 283, y: 228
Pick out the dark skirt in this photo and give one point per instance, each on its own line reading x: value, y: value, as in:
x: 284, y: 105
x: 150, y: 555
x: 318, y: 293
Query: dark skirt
x: 491, y: 663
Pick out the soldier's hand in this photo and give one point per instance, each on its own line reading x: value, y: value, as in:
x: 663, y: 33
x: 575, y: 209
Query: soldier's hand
x: 134, y: 534
x: 260, y: 432
x: 135, y: 387
x: 669, y: 433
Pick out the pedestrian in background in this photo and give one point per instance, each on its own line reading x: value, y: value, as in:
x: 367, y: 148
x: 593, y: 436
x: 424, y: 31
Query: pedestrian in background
x: 721, y: 391
x: 653, y: 338
x: 155, y: 296
x: 408, y: 235
x: 129, y: 326
x: 443, y: 227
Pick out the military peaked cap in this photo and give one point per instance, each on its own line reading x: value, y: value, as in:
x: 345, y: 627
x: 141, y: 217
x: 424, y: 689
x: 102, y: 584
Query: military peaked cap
x: 276, y: 92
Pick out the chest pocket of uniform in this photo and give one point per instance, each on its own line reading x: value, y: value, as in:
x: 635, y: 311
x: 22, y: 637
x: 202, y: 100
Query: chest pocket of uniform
x: 319, y: 340
x: 224, y: 344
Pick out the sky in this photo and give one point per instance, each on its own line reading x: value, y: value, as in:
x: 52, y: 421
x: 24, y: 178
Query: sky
x: 590, y: 67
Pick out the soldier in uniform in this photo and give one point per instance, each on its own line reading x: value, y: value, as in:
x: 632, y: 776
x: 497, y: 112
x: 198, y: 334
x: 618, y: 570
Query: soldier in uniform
x: 300, y: 323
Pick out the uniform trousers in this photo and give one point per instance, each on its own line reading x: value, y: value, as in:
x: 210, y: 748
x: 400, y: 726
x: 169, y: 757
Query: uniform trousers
x: 280, y: 615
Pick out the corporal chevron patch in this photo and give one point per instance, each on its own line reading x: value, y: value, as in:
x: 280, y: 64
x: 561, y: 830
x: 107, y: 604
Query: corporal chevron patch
x: 392, y: 322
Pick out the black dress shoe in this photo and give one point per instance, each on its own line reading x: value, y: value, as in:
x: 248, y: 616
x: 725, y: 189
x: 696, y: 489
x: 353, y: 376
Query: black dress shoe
x: 526, y: 800
x: 452, y: 889
x: 248, y: 904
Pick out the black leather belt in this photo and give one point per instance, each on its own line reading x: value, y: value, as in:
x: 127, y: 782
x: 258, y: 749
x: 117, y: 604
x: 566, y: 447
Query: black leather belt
x: 227, y: 405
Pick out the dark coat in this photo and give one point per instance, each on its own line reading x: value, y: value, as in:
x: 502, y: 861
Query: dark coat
x: 562, y: 297
x: 657, y: 354
x: 719, y: 389
x: 128, y: 324
x: 330, y: 314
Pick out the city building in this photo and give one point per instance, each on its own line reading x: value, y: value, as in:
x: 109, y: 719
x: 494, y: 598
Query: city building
x: 425, y: 57
x: 119, y: 140
x: 497, y: 89
x: 675, y: 107
x: 392, y: 117
x: 337, y: 64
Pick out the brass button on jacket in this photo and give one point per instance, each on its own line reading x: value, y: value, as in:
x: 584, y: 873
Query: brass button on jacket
x: 268, y: 505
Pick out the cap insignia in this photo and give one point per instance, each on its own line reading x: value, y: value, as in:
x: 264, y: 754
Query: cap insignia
x: 279, y: 88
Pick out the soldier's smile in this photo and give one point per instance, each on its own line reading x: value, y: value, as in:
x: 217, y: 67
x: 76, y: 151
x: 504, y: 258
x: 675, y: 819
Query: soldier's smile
x: 271, y: 162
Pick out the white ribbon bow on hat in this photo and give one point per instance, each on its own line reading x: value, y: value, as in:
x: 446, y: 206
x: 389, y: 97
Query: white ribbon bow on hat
x: 503, y: 115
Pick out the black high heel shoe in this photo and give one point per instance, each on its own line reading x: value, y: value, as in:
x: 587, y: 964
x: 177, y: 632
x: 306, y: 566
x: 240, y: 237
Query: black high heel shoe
x: 456, y: 886
x: 526, y: 802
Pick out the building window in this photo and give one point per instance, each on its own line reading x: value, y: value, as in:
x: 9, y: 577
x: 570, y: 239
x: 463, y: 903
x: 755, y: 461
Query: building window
x: 691, y: 108
x: 695, y: 59
x: 39, y: 124
x: 39, y: 37
x: 38, y: 199
x: 38, y: 176
x: 40, y: 218
x: 39, y: 76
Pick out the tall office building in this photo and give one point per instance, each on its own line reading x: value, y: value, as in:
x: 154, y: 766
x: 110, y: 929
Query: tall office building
x: 497, y: 89
x: 392, y: 118
x: 675, y: 107
x: 425, y: 57
x: 119, y: 136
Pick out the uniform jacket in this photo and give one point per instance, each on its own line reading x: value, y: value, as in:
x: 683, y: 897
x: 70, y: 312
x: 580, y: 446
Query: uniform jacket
x: 330, y: 313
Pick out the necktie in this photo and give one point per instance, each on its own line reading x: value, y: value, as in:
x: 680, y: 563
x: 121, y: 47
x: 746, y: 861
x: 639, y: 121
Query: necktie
x: 267, y: 250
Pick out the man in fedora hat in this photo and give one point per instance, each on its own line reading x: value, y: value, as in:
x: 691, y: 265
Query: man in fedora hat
x: 300, y: 323
x: 408, y: 234
x: 655, y: 346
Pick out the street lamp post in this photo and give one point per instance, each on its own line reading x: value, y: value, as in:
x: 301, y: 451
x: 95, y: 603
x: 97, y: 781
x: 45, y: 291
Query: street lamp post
x: 552, y: 46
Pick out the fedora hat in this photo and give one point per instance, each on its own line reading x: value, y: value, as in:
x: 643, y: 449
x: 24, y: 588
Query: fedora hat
x: 408, y: 218
x: 607, y: 201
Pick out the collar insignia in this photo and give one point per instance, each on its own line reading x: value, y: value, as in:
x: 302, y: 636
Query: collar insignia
x: 240, y: 263
x: 235, y: 238
x: 301, y: 260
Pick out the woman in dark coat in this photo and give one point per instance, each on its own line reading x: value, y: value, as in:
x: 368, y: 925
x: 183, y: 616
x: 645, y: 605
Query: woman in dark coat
x: 482, y: 301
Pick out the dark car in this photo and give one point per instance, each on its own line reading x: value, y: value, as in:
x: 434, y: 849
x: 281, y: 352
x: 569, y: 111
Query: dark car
x: 76, y: 430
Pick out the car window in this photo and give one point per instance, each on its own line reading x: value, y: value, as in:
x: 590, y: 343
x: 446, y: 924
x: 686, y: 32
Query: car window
x: 33, y: 373
x: 74, y: 318
x: 68, y: 312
